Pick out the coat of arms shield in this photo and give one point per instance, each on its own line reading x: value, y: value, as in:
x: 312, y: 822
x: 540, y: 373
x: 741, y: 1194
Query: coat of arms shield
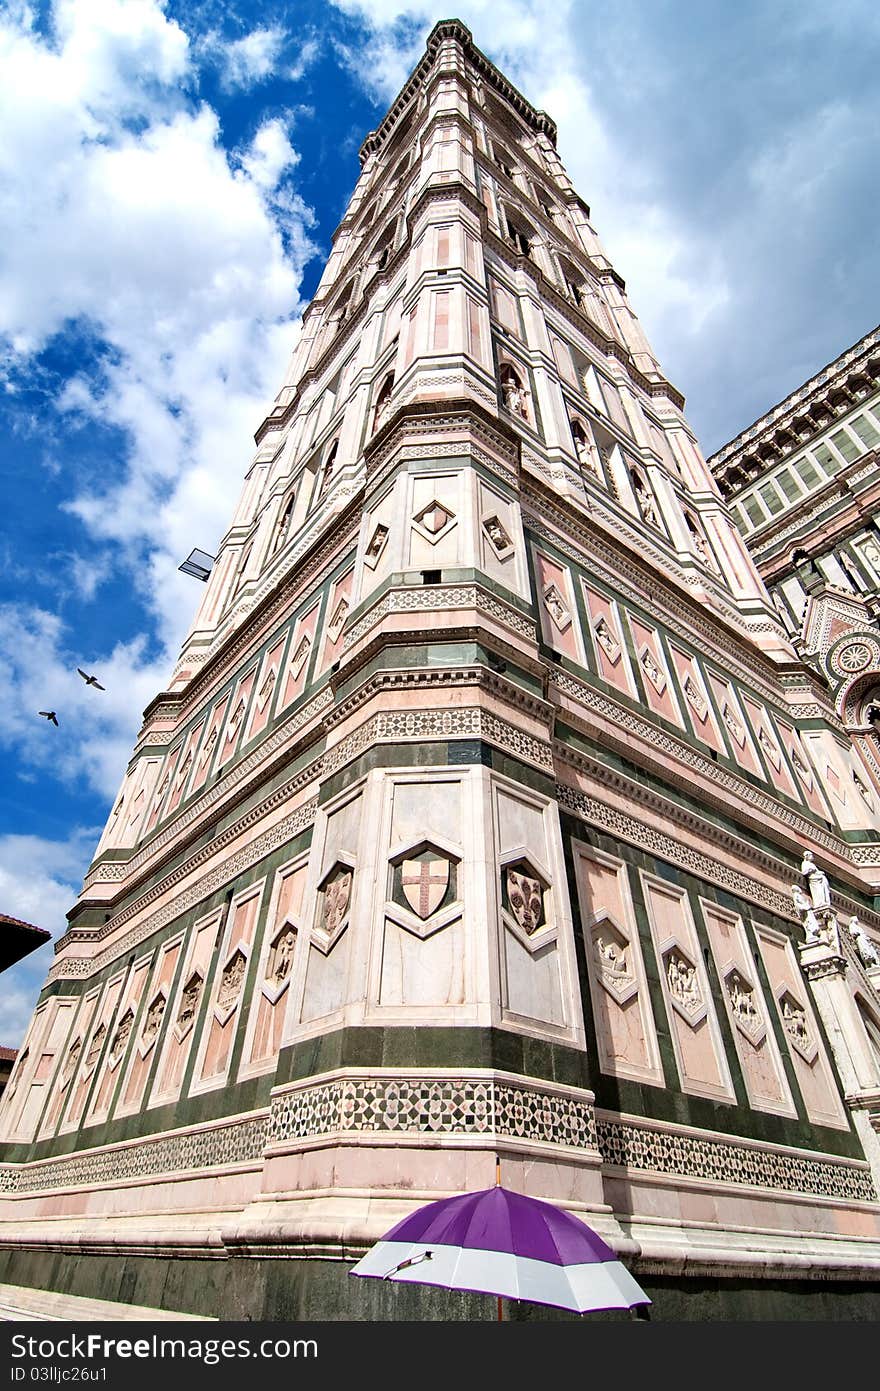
x: 424, y: 884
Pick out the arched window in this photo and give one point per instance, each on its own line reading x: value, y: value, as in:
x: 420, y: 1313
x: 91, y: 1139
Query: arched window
x: 329, y: 466
x: 519, y: 233
x: 504, y: 161
x: 644, y: 498
x: 513, y: 391
x: 383, y: 402
x: 284, y: 523
x: 574, y: 282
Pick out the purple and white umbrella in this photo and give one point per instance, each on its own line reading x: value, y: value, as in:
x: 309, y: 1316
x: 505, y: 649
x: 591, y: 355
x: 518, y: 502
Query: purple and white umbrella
x: 504, y: 1243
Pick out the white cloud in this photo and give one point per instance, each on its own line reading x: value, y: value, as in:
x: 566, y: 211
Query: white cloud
x: 92, y: 744
x: 182, y: 263
x: 308, y: 52
x: 39, y: 882
x: 246, y: 61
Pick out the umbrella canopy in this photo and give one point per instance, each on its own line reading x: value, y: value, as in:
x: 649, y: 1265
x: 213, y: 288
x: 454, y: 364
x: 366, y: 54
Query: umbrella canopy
x: 503, y: 1243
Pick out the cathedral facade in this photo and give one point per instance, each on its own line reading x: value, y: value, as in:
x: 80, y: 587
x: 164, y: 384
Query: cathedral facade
x: 491, y: 809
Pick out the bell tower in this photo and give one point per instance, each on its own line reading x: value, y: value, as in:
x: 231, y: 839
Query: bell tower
x: 468, y: 822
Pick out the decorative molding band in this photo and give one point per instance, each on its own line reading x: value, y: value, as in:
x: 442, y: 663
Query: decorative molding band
x: 685, y: 619
x: 691, y: 758
x: 417, y: 599
x: 485, y: 1105
x: 237, y: 1142
x: 172, y: 830
x: 625, y: 1145
x: 467, y: 722
x: 702, y: 866
x: 82, y: 967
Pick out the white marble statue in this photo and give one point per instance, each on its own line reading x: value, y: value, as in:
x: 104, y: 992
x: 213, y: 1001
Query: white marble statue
x: 868, y: 953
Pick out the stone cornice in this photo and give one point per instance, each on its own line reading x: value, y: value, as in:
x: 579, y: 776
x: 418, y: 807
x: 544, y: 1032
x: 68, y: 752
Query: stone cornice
x: 860, y: 361
x: 453, y: 29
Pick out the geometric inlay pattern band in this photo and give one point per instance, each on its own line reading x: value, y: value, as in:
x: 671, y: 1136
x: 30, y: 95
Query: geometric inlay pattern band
x: 628, y: 1146
x: 427, y: 1105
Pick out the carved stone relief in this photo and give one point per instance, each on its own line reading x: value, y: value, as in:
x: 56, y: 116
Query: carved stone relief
x: 497, y: 536
x: 744, y: 1007
x: 733, y: 725
x: 797, y: 1028
x: 652, y: 670
x: 121, y: 1036
x: 70, y: 1064
x: 606, y: 639
x: 770, y: 747
x: 153, y: 1021
x: 524, y: 896
x: 556, y: 607
x: 684, y: 985
x: 333, y: 903
x: 300, y: 656
x: 695, y: 696
x: 96, y: 1043
x: 376, y: 545
x: 189, y: 1004
x: 612, y: 956
x: 337, y: 620
x: 231, y: 981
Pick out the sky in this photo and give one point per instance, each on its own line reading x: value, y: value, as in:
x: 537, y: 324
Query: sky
x: 170, y: 179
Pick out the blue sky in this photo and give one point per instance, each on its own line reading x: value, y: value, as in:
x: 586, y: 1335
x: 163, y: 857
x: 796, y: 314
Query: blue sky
x: 170, y: 177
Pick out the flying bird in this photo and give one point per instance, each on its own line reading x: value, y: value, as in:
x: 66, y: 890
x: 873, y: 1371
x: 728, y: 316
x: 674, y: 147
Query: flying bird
x: 49, y: 715
x: 91, y: 680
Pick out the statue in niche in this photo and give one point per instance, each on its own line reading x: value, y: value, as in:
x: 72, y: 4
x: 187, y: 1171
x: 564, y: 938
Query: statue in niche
x: 513, y: 393
x: 283, y: 955
x: 645, y: 501
x: 867, y: 950
x: 817, y: 881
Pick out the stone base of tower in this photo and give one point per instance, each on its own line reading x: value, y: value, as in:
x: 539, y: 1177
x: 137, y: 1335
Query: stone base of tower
x: 261, y: 1216
x: 318, y: 1289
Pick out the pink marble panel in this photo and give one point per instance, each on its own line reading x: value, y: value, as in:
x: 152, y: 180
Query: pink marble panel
x: 267, y: 685
x: 181, y: 1031
x: 238, y: 706
x: 696, y: 700
x: 801, y: 1031
x: 298, y: 654
x: 768, y: 743
x: 227, y: 989
x: 149, y: 1027
x: 738, y: 736
x: 654, y: 671
x: 338, y: 608
x: 99, y: 1107
x: 185, y: 767
x: 608, y: 642
x: 205, y: 755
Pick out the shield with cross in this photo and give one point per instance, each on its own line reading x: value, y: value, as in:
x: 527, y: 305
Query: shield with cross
x: 424, y: 884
